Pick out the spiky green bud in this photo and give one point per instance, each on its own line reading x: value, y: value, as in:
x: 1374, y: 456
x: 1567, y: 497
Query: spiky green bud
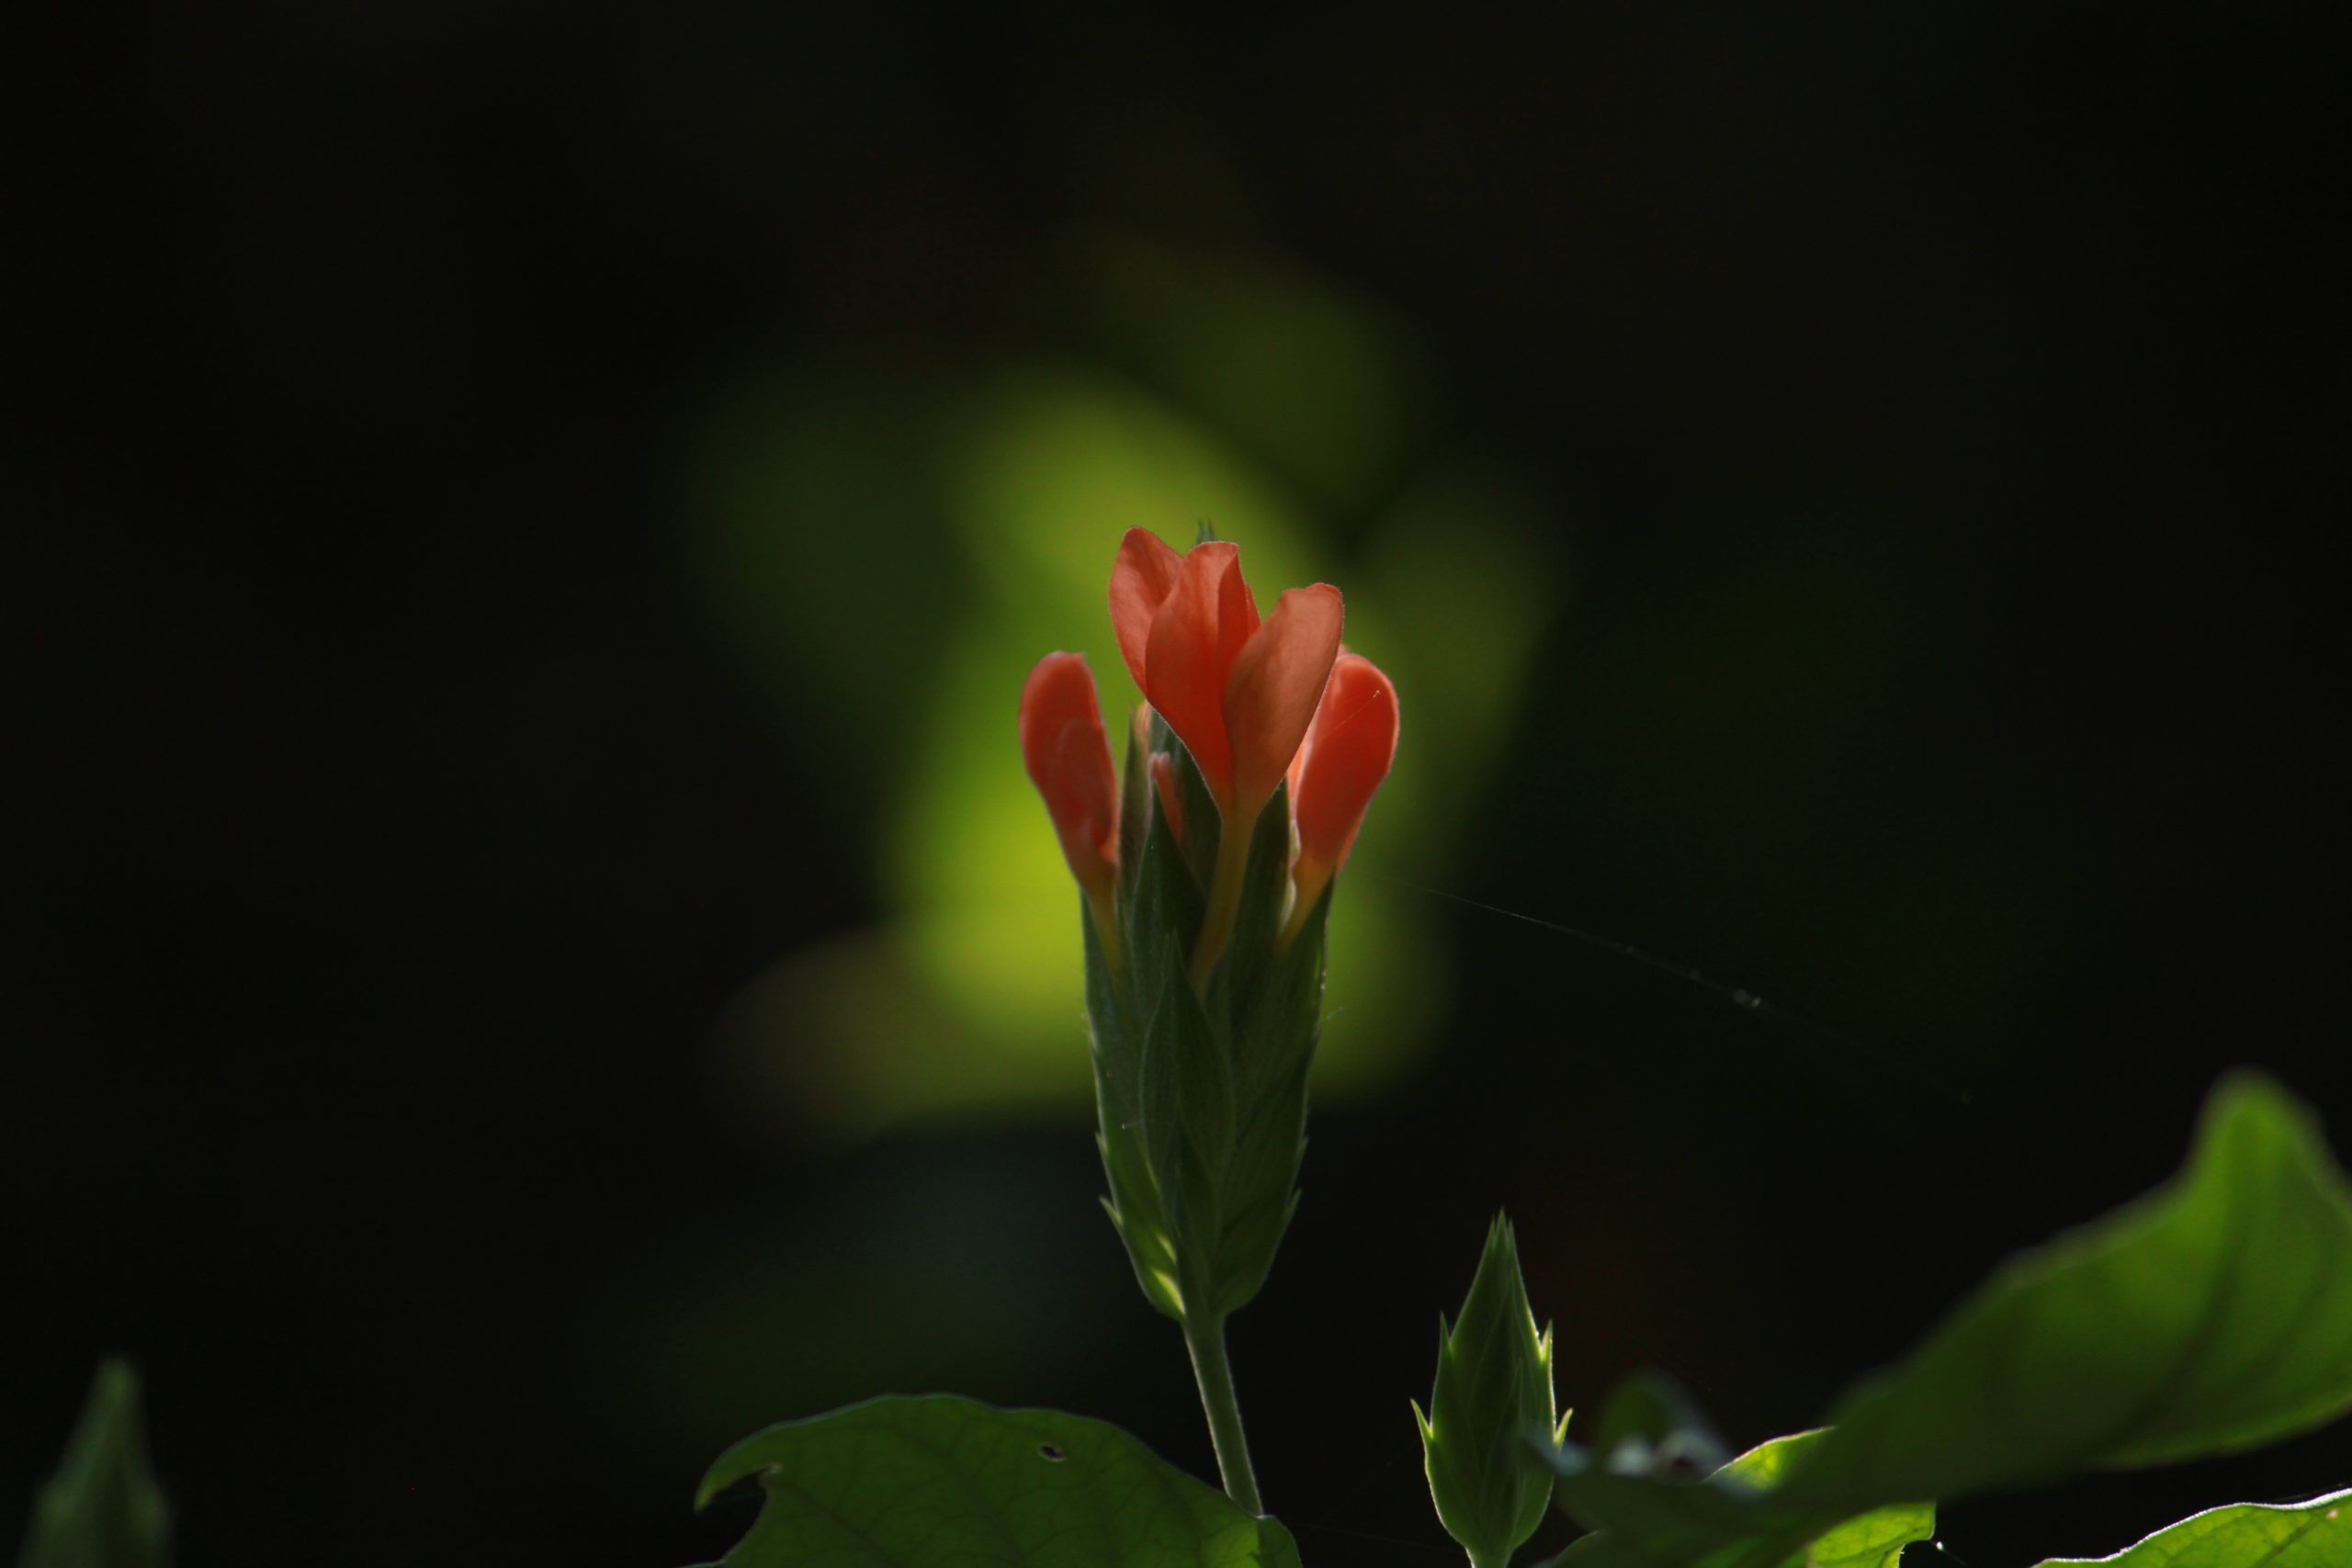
x: 1493, y: 1393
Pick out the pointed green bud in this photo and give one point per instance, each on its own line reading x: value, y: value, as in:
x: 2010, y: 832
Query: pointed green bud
x: 1492, y: 1401
x: 102, y: 1509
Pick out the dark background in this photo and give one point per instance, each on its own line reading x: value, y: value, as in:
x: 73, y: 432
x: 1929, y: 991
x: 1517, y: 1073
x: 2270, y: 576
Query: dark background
x: 1944, y: 412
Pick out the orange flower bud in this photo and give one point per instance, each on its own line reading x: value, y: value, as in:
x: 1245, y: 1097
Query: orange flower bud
x: 1347, y: 755
x: 1239, y: 693
x: 1069, y: 761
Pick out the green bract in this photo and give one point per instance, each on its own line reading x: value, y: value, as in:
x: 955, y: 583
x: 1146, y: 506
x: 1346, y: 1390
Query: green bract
x: 1200, y: 1096
x: 1493, y: 1393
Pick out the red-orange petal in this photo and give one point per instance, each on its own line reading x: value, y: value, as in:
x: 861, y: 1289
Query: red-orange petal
x: 1141, y: 579
x: 1348, y: 754
x: 1184, y: 667
x: 1069, y: 758
x: 1237, y: 607
x: 1271, y: 695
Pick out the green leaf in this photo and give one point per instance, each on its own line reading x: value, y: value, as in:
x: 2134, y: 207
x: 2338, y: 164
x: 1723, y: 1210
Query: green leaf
x: 2317, y: 1534
x: 102, y: 1509
x: 1874, y: 1540
x: 939, y: 1480
x: 1729, y: 1519
x: 2212, y: 1315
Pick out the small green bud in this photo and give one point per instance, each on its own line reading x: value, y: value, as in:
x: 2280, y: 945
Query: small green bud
x: 1493, y: 1396
x: 103, y: 1505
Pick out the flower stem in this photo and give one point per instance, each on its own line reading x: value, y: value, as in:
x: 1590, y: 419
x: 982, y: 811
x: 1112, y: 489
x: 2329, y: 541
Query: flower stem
x: 1215, y: 1374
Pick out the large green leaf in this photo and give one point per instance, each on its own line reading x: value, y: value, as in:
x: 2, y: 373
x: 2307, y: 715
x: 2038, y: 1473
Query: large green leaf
x: 102, y: 1509
x: 2212, y: 1315
x: 1729, y: 1519
x: 2317, y: 1534
x: 937, y: 1480
x: 1874, y: 1540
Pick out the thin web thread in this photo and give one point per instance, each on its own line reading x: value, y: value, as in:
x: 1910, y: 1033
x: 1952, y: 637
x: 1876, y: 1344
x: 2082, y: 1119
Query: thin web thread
x: 1739, y: 996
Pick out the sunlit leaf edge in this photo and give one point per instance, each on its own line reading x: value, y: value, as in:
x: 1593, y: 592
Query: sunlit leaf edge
x: 2238, y: 1535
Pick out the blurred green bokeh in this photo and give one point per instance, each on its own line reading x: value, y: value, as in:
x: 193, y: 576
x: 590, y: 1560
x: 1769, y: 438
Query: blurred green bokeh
x: 890, y: 553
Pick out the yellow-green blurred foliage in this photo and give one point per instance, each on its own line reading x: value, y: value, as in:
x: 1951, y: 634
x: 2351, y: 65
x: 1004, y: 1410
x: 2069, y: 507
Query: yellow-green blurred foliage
x: 889, y: 552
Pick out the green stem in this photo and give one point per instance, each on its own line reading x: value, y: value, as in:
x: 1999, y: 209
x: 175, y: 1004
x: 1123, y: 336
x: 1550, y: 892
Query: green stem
x: 1215, y: 1374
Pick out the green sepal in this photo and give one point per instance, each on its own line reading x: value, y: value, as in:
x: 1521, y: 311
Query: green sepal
x: 1492, y: 1398
x: 1203, y: 826
x: 1261, y: 1189
x: 1201, y: 1098
x: 1188, y: 1124
x: 1160, y: 913
x: 1265, y: 886
x: 1116, y: 1040
x: 1278, y: 1014
x: 1135, y: 810
x: 102, y: 1509
x: 1166, y: 911
x: 1134, y: 1201
x: 1273, y: 1005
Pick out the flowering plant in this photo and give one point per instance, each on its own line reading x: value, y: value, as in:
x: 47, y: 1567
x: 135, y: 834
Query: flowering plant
x: 2213, y: 1315
x: 1205, y: 867
x: 1205, y: 870
x: 1206, y: 890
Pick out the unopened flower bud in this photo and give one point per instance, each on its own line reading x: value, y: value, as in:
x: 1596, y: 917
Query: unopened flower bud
x: 1069, y: 757
x: 1493, y: 1396
x: 1204, y: 967
x: 1347, y: 753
